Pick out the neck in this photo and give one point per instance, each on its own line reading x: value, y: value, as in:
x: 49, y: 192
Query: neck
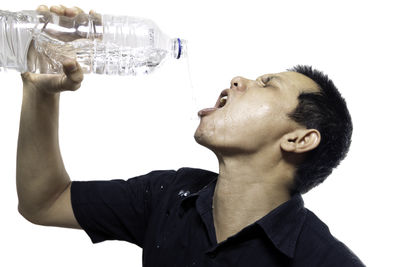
x: 247, y: 189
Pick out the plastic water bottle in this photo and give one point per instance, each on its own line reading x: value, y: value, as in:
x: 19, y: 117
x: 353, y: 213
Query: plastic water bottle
x: 39, y: 41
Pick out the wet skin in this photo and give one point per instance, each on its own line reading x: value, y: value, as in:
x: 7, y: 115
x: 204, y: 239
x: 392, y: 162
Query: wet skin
x: 257, y: 146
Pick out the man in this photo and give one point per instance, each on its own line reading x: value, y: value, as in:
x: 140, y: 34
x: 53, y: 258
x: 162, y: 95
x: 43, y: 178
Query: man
x: 275, y: 137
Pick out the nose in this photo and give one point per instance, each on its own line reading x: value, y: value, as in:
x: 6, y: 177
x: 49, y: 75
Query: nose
x: 239, y: 83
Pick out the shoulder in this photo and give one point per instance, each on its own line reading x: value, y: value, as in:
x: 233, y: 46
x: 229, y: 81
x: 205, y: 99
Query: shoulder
x: 316, y: 242
x: 194, y: 179
x: 188, y: 179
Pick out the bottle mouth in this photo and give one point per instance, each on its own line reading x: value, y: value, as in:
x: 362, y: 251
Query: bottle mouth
x: 179, y: 48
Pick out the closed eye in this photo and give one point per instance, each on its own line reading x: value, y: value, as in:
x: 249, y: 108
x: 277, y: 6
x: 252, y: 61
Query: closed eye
x: 265, y: 81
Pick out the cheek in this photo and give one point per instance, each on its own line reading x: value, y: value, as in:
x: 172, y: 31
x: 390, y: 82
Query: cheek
x: 251, y: 122
x: 257, y: 125
x: 243, y: 127
x: 253, y: 116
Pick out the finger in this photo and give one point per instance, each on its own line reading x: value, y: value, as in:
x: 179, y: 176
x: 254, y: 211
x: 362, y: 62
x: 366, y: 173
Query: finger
x: 73, y: 75
x: 96, y: 16
x: 72, y: 11
x: 63, y: 8
x: 79, y: 10
x: 58, y: 10
x: 68, y: 85
x: 42, y: 8
x: 73, y: 71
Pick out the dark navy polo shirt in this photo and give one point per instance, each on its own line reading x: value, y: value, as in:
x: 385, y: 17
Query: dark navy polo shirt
x: 169, y: 215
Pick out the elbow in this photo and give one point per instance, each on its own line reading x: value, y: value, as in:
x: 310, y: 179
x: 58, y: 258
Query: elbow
x: 28, y: 215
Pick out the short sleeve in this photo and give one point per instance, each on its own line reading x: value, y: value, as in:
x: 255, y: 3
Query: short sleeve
x: 117, y: 209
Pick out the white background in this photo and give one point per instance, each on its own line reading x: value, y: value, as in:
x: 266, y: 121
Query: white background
x: 120, y: 127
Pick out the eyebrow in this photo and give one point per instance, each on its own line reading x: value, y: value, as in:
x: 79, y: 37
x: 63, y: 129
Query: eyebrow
x: 274, y: 77
x: 270, y: 77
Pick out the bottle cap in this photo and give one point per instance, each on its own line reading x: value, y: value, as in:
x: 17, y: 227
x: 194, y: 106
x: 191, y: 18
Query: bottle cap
x: 179, y: 48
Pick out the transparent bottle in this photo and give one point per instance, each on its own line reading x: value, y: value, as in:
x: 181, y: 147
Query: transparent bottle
x: 37, y: 41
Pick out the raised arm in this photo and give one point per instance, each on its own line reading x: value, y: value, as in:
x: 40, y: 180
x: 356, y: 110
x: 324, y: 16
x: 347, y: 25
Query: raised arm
x: 43, y: 184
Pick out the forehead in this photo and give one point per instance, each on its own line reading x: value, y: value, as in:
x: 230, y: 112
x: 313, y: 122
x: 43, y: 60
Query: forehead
x: 294, y: 82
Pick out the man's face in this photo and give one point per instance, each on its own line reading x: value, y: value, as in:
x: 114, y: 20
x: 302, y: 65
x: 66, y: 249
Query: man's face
x: 254, y: 116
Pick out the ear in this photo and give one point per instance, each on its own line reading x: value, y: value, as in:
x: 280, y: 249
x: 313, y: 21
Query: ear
x: 301, y: 140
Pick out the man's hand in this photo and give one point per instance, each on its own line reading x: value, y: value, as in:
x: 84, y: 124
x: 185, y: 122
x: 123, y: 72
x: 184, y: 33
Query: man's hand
x: 70, y: 80
x: 68, y: 18
x: 68, y: 12
x: 61, y: 10
x: 72, y: 77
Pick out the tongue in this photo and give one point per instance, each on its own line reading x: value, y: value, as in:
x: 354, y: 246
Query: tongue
x: 206, y: 111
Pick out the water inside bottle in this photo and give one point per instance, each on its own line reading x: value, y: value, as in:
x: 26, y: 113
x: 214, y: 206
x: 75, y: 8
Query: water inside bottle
x: 95, y: 56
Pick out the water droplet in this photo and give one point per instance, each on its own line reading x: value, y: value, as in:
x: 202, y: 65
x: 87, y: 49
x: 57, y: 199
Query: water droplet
x: 162, y: 187
x: 184, y: 193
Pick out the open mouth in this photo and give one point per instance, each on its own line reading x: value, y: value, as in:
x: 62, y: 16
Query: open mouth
x: 221, y: 102
x: 223, y: 99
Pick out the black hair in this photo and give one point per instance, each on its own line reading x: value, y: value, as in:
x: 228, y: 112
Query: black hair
x: 327, y: 112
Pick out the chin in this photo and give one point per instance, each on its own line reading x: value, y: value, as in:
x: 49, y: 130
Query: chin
x: 204, y: 138
x: 200, y: 137
x: 219, y: 147
x: 218, y: 139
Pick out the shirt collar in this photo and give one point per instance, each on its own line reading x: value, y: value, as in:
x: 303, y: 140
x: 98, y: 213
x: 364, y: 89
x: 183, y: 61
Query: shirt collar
x: 282, y: 225
x: 206, y: 195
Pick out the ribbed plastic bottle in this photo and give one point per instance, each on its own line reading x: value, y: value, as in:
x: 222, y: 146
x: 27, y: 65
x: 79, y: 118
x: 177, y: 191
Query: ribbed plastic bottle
x: 38, y: 42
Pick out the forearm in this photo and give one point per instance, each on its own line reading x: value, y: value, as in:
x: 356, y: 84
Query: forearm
x: 41, y: 175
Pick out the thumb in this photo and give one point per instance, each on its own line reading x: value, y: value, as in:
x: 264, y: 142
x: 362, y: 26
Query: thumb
x: 70, y: 80
x: 73, y: 76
